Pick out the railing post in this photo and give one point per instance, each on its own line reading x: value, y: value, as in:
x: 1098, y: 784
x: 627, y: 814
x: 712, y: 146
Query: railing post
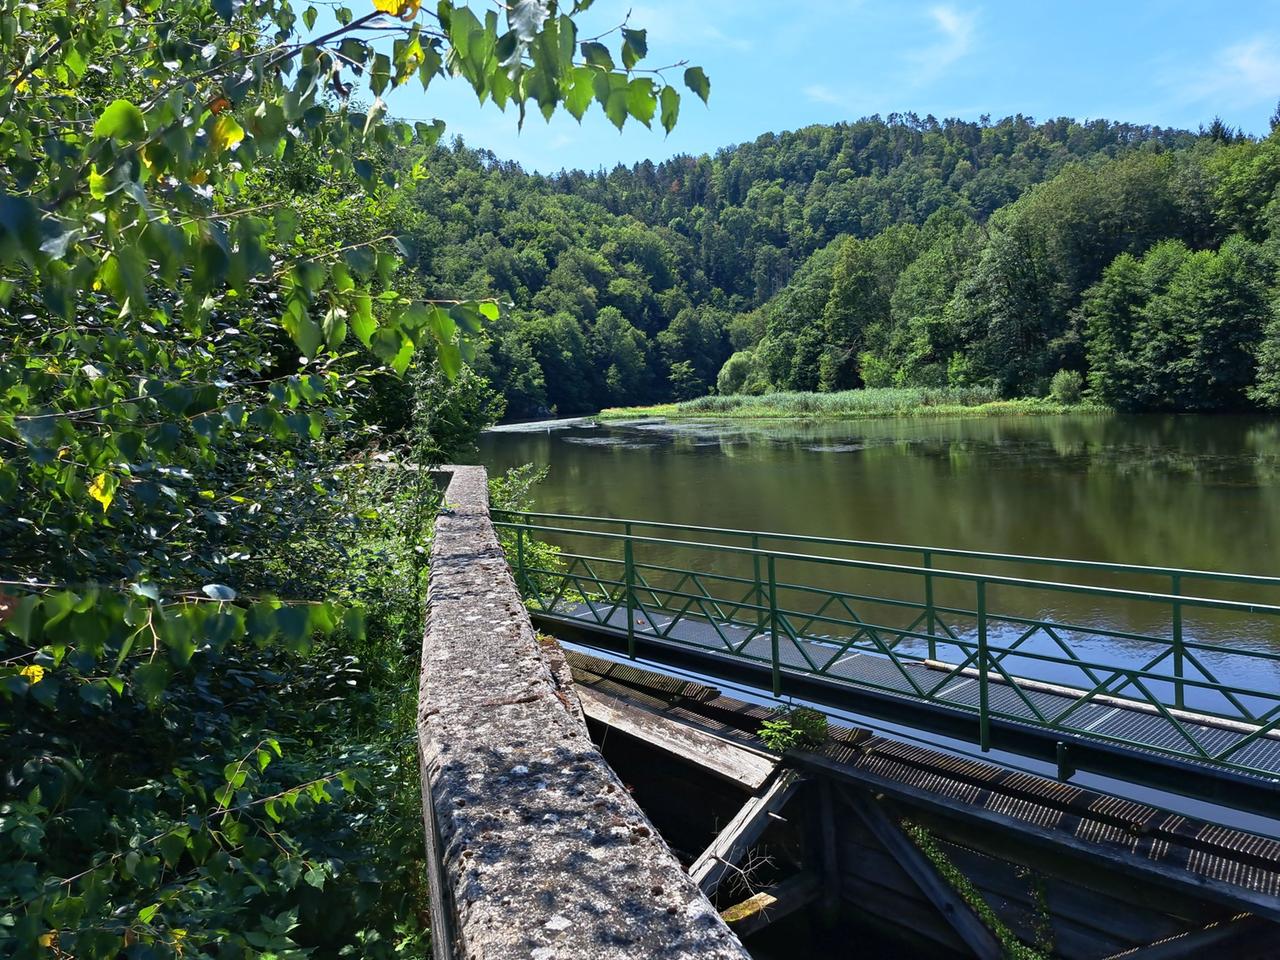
x: 629, y: 566
x: 928, y: 605
x: 759, y: 594
x: 984, y: 715
x: 521, y: 580
x: 773, y: 629
x: 1178, y: 691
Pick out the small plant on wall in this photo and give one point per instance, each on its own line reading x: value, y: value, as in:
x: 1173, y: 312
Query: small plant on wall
x: 794, y: 728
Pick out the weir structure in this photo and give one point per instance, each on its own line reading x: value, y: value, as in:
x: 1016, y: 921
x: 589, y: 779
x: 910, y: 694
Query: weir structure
x: 915, y: 817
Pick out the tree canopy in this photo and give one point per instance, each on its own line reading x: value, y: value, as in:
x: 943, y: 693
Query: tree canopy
x: 895, y: 251
x: 887, y: 251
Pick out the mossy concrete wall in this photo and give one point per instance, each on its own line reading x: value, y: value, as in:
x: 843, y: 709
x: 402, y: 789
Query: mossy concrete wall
x: 537, y: 849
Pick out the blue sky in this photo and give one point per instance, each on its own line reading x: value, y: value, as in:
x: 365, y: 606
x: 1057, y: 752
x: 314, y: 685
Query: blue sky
x: 781, y: 65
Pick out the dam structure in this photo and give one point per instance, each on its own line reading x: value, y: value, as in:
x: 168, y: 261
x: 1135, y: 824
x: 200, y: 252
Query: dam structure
x: 597, y: 782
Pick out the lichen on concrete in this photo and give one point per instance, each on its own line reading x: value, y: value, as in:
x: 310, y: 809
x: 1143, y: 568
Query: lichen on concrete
x: 543, y: 852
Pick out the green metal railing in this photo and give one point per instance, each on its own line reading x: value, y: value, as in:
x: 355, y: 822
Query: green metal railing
x: 1180, y: 673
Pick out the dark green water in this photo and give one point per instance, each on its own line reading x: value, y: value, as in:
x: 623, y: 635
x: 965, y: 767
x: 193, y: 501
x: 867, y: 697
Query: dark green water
x: 1168, y: 491
x: 1196, y: 492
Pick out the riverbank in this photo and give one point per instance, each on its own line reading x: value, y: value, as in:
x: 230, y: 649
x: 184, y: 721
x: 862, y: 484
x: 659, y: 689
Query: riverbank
x: 857, y: 404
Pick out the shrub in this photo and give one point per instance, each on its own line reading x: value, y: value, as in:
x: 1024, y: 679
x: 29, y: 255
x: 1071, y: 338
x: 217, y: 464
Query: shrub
x: 1067, y: 386
x: 735, y: 373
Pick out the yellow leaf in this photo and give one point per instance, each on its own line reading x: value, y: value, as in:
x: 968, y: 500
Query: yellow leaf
x: 404, y: 9
x: 226, y: 133
x: 103, y: 489
x: 34, y: 673
x: 97, y: 184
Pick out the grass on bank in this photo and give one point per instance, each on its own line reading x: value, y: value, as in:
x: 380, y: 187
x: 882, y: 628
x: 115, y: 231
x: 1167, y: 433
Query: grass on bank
x: 854, y: 404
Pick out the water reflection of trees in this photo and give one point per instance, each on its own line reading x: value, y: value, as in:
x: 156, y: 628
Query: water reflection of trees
x: 1161, y: 490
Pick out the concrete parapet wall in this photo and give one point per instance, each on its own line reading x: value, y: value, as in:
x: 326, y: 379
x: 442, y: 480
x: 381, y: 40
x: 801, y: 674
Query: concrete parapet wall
x: 537, y: 849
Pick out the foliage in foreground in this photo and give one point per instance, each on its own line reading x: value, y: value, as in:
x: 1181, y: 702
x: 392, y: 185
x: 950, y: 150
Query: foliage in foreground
x: 853, y: 404
x: 235, y: 799
x: 210, y: 589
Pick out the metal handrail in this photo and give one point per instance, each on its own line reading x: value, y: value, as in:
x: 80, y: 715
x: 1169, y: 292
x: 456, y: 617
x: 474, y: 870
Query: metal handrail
x: 758, y: 616
x: 1137, y: 569
x: 938, y: 572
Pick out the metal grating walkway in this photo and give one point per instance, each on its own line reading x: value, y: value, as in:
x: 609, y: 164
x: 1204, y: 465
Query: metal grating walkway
x: 1127, y: 728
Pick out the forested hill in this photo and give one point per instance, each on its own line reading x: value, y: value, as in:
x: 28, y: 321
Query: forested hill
x: 899, y: 251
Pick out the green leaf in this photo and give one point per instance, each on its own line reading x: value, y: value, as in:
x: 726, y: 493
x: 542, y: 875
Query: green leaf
x: 362, y: 321
x: 309, y: 17
x: 150, y: 680
x: 580, y: 92
x: 172, y: 847
x: 354, y: 623
x: 635, y: 45
x: 16, y: 615
x: 315, y: 877
x: 611, y: 91
x: 697, y: 81
x: 429, y: 133
x: 96, y: 693
x: 121, y: 121
x: 306, y: 333
x: 450, y: 359
x: 670, y: 100
x: 334, y: 328
x: 597, y: 54
x: 641, y: 101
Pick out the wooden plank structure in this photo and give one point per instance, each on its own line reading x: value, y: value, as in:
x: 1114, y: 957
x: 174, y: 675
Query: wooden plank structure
x: 743, y: 831
x: 1009, y: 856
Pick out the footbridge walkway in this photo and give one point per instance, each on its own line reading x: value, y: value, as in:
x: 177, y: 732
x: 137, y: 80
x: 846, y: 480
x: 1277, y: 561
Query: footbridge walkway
x: 1167, y: 678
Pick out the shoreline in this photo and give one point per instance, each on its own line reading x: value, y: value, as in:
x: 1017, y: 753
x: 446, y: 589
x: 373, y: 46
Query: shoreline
x: 818, y: 406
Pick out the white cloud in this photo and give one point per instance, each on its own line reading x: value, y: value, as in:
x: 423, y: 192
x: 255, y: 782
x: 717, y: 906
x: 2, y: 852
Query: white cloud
x: 676, y: 25
x: 1240, y: 75
x: 956, y: 37
x: 821, y: 93
x: 956, y: 29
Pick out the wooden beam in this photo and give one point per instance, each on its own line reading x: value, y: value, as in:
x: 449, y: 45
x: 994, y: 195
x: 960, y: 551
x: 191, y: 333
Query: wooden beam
x: 742, y: 765
x: 948, y: 902
x: 828, y: 848
x: 1240, y: 938
x: 772, y: 904
x: 743, y: 831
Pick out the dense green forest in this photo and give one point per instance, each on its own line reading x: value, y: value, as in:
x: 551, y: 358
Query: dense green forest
x: 885, y: 252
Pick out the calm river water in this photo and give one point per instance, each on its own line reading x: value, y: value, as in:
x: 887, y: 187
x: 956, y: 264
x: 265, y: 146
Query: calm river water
x: 1186, y: 491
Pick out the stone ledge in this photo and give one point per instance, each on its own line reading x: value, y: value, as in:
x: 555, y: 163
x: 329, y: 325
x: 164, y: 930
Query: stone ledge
x: 537, y: 849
